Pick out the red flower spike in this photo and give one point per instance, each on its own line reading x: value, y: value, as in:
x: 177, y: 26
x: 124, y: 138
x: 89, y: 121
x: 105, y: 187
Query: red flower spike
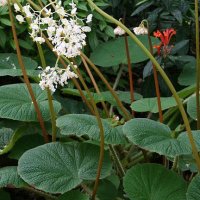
x: 165, y: 38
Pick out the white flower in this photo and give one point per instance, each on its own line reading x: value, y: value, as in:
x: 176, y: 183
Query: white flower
x: 66, y: 32
x: 119, y: 31
x: 51, y: 77
x: 3, y: 2
x: 141, y: 30
x: 60, y: 11
x: 27, y: 11
x: 16, y: 7
x: 40, y: 40
x: 73, y: 11
x: 20, y: 18
x: 89, y: 18
x: 86, y: 28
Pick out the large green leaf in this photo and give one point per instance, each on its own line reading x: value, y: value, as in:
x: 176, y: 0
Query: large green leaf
x: 193, y: 192
x: 113, y: 52
x: 155, y: 182
x: 9, y: 65
x: 10, y: 177
x: 124, y: 96
x: 8, y: 137
x: 151, y: 104
x: 156, y: 137
x: 16, y: 103
x: 74, y: 195
x: 191, y: 107
x: 58, y: 168
x: 82, y: 124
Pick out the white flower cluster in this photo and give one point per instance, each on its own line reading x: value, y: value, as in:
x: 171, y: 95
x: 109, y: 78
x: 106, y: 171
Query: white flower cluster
x: 51, y: 77
x: 140, y: 30
x: 3, y: 2
x: 64, y: 29
x: 119, y: 31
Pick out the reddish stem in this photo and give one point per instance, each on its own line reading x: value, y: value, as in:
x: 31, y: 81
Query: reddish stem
x: 19, y: 56
x: 129, y: 71
x: 156, y: 81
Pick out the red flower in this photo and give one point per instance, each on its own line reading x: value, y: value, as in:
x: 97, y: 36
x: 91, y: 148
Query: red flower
x: 165, y: 38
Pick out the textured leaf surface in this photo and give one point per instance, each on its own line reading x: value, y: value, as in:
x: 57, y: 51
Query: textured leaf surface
x: 82, y: 124
x: 153, y: 181
x: 58, y: 168
x: 191, y: 107
x: 193, y: 192
x: 113, y: 52
x: 9, y: 65
x: 9, y: 176
x: 151, y: 104
x: 74, y: 195
x: 155, y: 137
x: 16, y: 103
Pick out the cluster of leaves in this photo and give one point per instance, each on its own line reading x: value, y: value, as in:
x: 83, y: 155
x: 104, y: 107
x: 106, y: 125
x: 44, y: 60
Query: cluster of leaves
x: 67, y: 169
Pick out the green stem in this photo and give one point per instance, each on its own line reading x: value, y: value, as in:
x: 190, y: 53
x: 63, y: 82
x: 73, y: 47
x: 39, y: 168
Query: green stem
x: 50, y: 100
x: 197, y: 63
x: 163, y: 74
x: 175, y: 163
x: 117, y: 160
x: 119, y: 74
x: 26, y: 79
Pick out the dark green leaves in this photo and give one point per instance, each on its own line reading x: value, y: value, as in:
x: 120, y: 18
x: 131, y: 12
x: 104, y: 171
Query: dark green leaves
x: 153, y: 181
x: 151, y: 105
x: 113, y: 52
x: 16, y: 103
x: 58, y: 168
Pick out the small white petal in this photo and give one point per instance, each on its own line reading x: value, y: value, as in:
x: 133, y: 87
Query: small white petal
x: 16, y: 7
x: 20, y: 18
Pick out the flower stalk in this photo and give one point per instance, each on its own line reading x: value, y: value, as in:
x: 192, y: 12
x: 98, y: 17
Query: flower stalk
x: 95, y: 85
x: 130, y: 73
x: 21, y: 63
x: 119, y: 103
x: 197, y: 63
x: 50, y: 100
x: 155, y: 77
x: 163, y: 74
